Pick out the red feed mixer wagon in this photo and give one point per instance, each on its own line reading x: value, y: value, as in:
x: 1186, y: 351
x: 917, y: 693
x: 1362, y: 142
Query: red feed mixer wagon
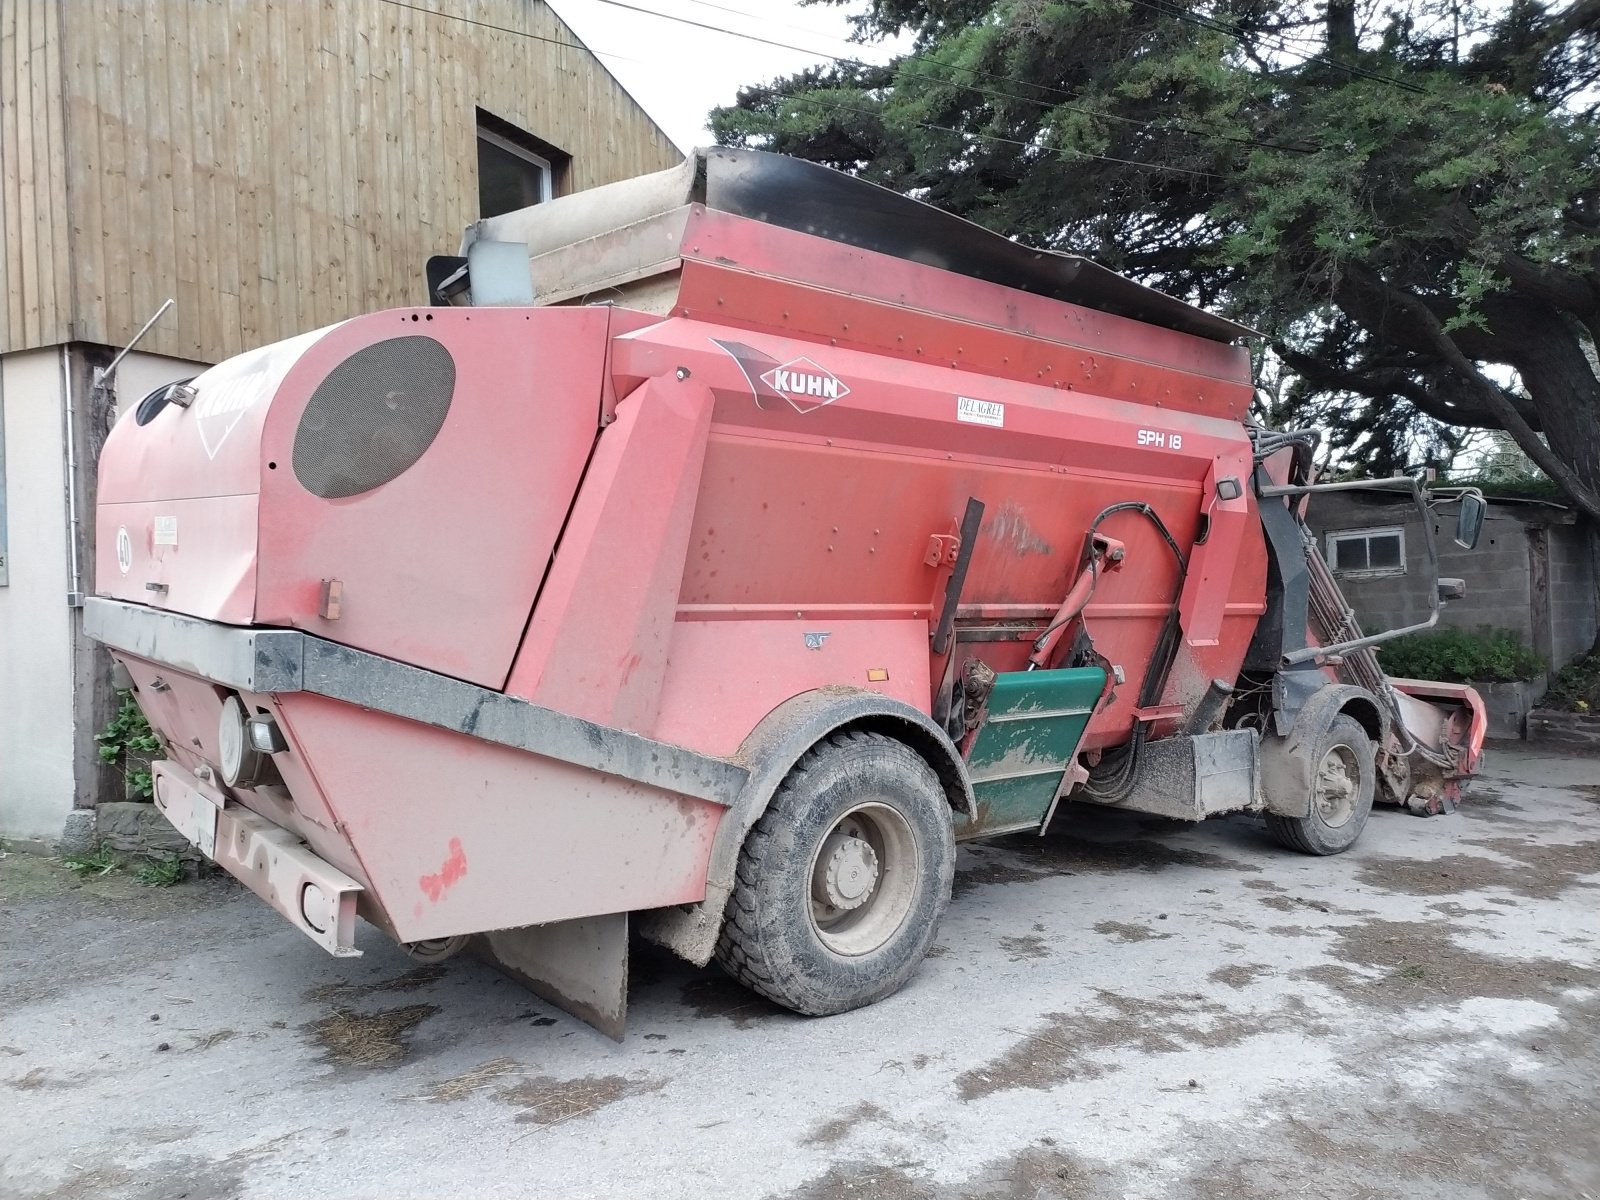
x: 715, y: 551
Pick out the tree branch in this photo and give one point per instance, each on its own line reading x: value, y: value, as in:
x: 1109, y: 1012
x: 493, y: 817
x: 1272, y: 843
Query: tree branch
x: 1510, y: 419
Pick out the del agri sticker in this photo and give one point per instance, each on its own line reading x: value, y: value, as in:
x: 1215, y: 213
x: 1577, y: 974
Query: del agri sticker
x: 980, y: 412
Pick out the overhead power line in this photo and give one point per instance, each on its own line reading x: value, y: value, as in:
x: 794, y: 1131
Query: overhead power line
x: 832, y: 104
x: 1159, y: 126
x: 522, y: 33
x: 1005, y: 141
x: 843, y: 60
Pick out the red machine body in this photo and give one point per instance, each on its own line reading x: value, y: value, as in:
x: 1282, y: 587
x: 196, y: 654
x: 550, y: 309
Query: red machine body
x: 674, y: 537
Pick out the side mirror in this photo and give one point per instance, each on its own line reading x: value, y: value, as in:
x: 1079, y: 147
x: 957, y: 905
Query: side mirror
x: 1469, y: 525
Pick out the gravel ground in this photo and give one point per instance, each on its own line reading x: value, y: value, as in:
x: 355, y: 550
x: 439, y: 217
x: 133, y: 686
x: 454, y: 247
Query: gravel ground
x: 1126, y: 1008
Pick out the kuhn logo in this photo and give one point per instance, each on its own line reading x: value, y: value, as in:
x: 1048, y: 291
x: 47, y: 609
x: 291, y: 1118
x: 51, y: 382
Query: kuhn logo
x: 805, y: 385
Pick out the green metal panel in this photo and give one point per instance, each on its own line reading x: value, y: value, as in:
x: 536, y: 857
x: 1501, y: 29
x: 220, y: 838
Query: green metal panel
x: 1028, y: 738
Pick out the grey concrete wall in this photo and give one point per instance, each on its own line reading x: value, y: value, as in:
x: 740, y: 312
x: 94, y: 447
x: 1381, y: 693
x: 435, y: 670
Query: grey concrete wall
x: 1574, y: 593
x: 1497, y: 573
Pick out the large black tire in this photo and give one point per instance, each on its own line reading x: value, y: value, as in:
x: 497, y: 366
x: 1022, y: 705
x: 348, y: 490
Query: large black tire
x: 780, y: 939
x: 1344, y: 777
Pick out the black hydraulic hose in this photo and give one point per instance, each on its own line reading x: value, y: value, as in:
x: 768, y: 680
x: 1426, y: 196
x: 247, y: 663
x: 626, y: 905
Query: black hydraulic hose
x: 1094, y: 568
x: 1115, y: 781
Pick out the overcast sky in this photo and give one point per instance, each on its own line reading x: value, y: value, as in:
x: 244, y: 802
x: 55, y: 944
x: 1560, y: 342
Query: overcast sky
x: 679, y: 72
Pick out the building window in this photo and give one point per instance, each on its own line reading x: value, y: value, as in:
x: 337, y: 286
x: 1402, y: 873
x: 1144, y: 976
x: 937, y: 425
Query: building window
x: 1368, y: 551
x: 510, y: 176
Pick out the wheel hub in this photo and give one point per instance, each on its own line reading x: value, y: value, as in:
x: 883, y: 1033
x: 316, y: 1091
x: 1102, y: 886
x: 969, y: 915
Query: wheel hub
x: 847, y: 872
x: 1336, y: 786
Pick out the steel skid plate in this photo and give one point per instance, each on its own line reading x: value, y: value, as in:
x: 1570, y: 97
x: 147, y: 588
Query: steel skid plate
x: 579, y: 966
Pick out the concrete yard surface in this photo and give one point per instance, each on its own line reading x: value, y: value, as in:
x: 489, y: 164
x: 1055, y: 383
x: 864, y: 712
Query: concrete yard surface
x: 1126, y: 1008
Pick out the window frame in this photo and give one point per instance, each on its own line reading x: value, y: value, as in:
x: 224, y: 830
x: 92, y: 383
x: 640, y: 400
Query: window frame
x: 546, y: 168
x: 1333, y: 537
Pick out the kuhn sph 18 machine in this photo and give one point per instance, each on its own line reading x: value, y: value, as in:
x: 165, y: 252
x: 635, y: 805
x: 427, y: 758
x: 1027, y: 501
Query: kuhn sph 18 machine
x: 716, y: 551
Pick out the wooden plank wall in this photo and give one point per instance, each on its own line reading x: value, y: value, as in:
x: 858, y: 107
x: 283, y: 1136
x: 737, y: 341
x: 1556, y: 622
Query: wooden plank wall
x: 35, y: 272
x: 277, y: 165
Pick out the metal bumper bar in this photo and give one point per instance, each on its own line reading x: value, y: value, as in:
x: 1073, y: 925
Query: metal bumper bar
x: 316, y: 897
x: 286, y: 660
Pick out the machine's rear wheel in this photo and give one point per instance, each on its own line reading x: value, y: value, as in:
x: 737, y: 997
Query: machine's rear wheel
x: 843, y: 880
x: 1343, y: 780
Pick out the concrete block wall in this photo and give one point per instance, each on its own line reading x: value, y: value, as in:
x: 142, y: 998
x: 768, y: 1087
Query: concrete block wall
x: 1498, y: 573
x: 1574, y: 593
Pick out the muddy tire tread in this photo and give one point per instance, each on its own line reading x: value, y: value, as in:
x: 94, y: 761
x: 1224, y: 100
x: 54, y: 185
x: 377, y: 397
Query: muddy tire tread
x: 1296, y: 833
x: 743, y: 950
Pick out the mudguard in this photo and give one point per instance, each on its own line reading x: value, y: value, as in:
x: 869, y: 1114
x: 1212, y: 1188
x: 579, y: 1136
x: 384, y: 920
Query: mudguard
x: 1287, y: 762
x: 774, y: 746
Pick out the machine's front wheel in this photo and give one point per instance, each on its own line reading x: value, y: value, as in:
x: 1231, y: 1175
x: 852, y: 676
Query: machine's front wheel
x: 1343, y: 780
x: 843, y: 880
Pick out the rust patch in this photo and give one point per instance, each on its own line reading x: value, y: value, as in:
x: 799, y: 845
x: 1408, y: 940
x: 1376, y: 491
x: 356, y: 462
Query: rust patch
x: 1029, y: 945
x: 550, y: 1101
x: 1010, y: 525
x: 836, y: 1129
x: 352, y: 1039
x: 450, y: 872
x: 1129, y: 933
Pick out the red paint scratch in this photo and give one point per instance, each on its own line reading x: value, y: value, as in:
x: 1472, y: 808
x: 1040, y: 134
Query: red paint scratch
x: 454, y: 867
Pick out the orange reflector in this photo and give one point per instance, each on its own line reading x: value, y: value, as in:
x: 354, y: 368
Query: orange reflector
x: 877, y: 674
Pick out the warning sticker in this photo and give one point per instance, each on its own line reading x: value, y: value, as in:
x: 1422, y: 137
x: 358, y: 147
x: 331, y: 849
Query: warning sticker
x: 166, y: 531
x: 980, y: 412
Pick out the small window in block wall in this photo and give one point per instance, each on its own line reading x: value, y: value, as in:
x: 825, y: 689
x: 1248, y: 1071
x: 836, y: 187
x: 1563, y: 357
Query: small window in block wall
x: 1368, y: 551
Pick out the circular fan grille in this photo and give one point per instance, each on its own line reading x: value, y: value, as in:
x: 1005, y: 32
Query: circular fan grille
x: 374, y: 416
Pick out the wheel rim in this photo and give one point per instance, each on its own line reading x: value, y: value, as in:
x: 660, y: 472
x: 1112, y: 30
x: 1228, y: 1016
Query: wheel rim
x: 1338, y: 781
x: 863, y: 879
